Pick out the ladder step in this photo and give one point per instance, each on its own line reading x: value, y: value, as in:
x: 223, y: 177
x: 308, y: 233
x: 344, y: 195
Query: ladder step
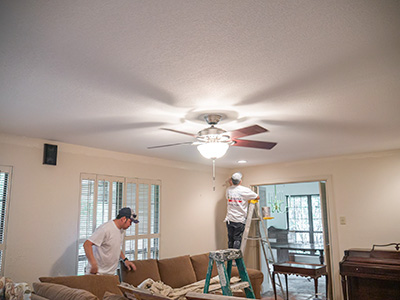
x: 256, y: 238
x: 253, y: 238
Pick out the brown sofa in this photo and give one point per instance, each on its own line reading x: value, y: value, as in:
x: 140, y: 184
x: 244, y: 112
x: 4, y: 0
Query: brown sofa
x: 175, y: 272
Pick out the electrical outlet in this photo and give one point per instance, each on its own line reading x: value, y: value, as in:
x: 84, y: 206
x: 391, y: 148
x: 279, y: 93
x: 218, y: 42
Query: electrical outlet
x: 342, y: 220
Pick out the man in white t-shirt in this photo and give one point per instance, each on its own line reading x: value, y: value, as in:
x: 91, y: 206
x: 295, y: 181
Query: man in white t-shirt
x: 237, y: 199
x: 103, y: 248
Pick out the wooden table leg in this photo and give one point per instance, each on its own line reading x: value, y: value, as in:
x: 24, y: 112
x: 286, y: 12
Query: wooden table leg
x: 287, y: 288
x: 273, y: 283
x: 316, y: 286
x: 326, y: 285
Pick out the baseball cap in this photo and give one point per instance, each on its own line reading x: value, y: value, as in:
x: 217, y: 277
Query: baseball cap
x: 237, y: 176
x: 128, y: 213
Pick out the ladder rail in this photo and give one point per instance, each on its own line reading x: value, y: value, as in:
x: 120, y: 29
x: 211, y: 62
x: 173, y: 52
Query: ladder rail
x: 250, y: 212
x: 253, y: 214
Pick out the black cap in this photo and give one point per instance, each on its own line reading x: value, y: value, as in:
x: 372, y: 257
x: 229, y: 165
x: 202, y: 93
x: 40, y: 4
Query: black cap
x: 128, y: 213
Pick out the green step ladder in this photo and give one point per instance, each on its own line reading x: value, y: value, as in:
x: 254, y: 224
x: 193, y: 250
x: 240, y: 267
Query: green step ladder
x: 224, y: 272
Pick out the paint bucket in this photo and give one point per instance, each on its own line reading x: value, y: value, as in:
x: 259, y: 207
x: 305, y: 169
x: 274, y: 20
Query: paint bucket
x: 266, y: 212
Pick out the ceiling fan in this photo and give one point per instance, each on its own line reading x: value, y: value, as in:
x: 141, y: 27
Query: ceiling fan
x: 213, y: 142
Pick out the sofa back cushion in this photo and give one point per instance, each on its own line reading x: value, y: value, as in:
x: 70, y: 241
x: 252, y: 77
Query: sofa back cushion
x: 96, y: 284
x: 177, y: 271
x: 144, y: 269
x: 61, y: 292
x: 200, y: 266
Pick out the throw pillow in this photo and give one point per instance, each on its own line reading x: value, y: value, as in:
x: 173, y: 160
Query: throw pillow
x: 61, y: 292
x: 96, y: 284
x: 11, y: 290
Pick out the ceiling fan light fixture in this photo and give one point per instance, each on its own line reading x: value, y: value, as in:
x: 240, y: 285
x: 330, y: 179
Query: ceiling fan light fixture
x: 213, y: 150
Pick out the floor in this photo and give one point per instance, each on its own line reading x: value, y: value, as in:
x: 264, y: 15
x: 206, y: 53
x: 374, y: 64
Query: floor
x: 300, y: 288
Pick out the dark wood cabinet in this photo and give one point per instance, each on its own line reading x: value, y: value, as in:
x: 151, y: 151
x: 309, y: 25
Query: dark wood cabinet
x: 370, y: 274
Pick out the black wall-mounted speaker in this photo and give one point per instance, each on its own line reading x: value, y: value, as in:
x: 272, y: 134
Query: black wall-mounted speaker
x: 50, y: 154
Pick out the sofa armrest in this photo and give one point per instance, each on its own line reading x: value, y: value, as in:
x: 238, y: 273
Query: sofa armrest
x: 256, y: 278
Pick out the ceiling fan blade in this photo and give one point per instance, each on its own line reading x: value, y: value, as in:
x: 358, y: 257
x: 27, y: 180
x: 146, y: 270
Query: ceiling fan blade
x: 177, y: 131
x: 254, y: 129
x: 169, y: 145
x: 254, y: 144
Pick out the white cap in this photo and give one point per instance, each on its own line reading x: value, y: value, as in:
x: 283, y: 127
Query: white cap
x: 237, y: 176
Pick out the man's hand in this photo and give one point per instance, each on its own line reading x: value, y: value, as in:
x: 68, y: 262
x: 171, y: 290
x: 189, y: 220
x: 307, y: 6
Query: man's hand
x: 130, y: 265
x: 94, y: 268
x: 87, y: 246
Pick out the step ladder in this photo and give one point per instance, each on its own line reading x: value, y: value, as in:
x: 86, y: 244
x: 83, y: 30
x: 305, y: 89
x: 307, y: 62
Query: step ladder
x: 253, y: 217
x: 224, y: 272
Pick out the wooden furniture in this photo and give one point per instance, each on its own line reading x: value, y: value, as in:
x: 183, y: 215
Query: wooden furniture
x: 303, y: 247
x: 371, y: 274
x: 306, y: 270
x: 281, y: 237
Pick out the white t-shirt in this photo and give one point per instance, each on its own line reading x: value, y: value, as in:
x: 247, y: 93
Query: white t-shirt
x: 238, y: 197
x: 108, y: 241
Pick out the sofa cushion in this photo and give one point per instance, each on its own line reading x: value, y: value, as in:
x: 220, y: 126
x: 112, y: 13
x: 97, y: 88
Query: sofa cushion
x: 177, y: 271
x: 200, y: 266
x: 61, y: 292
x: 144, y: 269
x: 96, y: 284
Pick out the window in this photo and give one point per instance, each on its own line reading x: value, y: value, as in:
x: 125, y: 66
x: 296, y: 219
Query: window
x: 5, y: 176
x: 304, y: 219
x: 101, y: 199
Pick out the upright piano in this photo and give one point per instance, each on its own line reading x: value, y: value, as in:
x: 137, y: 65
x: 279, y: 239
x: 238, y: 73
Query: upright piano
x: 370, y: 274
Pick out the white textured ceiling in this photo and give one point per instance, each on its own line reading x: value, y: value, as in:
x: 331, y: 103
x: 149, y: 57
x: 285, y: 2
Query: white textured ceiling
x: 322, y: 76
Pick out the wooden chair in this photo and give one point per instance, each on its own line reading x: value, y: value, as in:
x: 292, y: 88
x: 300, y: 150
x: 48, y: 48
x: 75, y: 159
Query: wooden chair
x: 301, y: 269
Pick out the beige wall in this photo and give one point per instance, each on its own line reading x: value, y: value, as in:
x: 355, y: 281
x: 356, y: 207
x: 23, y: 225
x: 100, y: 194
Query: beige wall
x: 365, y: 189
x: 44, y: 204
x: 42, y: 229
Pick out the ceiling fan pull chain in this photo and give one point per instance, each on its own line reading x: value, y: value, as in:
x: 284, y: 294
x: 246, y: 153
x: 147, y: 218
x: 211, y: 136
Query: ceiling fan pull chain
x: 213, y: 174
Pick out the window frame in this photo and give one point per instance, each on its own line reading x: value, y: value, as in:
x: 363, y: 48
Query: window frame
x: 311, y: 230
x: 136, y: 236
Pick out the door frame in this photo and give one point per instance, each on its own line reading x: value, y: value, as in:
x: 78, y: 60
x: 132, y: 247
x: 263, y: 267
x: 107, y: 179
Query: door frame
x: 329, y: 216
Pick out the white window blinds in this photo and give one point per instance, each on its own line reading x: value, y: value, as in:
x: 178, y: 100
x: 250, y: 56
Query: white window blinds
x: 101, y: 199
